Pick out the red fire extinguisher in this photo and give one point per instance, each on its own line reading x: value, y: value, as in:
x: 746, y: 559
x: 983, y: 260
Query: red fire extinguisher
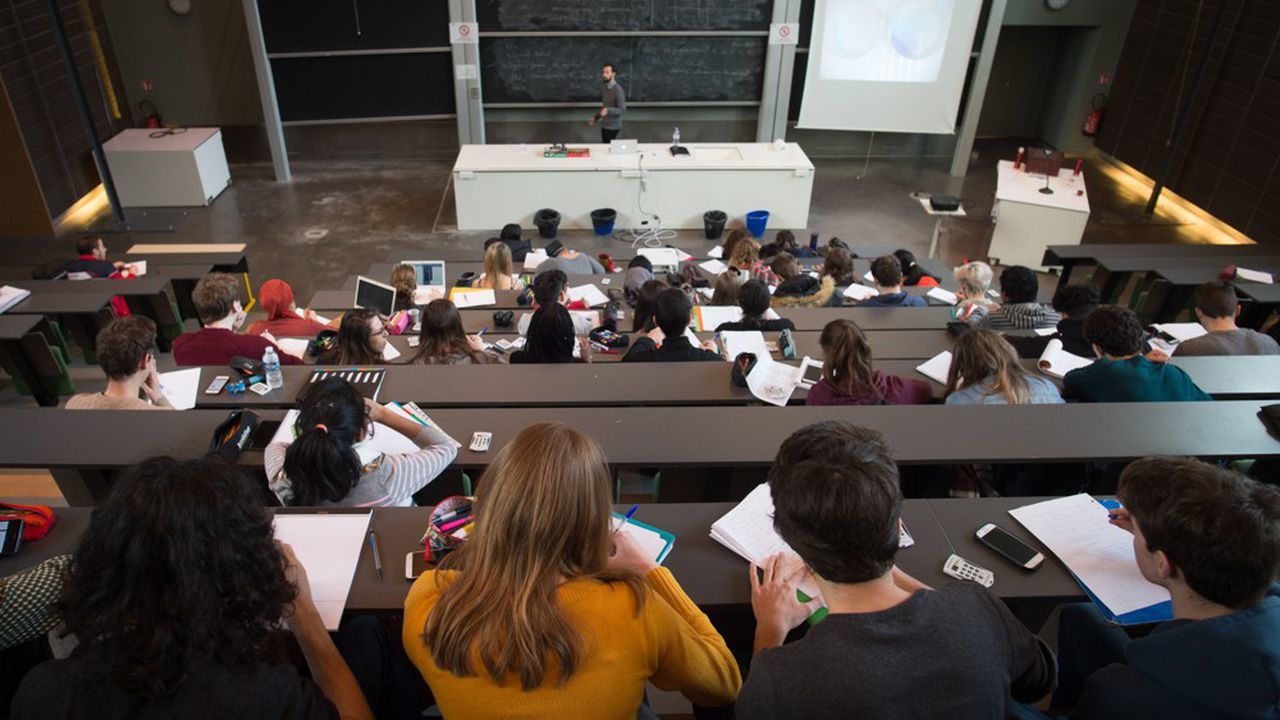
x: 1095, y: 116
x: 150, y: 114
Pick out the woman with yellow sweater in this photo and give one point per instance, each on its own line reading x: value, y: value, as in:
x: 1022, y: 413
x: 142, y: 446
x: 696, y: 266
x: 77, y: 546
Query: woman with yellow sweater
x: 547, y: 612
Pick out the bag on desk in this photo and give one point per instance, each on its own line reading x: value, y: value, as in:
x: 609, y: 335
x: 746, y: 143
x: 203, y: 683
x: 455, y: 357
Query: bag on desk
x: 37, y: 520
x: 742, y: 366
x: 232, y: 436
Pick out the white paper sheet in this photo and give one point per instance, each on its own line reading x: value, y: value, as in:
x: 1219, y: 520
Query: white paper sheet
x: 389, y: 352
x: 856, y: 292
x: 733, y: 342
x: 1257, y: 276
x: 180, y: 387
x: 328, y: 546
x: 1099, y: 554
x: 384, y: 439
x: 771, y: 381
x: 937, y: 367
x: 138, y: 268
x: 654, y: 545
x: 1182, y: 331
x: 942, y: 295
x: 314, y: 316
x: 715, y: 267
x: 709, y: 317
x: 590, y: 294
x: 1045, y: 332
x: 1058, y: 362
x: 468, y: 298
x: 10, y: 296
x: 426, y: 293
x: 296, y: 347
x: 716, y: 252
x: 869, y: 277
x: 681, y: 255
x: 533, y: 259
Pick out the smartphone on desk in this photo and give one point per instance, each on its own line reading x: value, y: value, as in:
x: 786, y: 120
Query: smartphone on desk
x: 415, y: 563
x: 1010, y: 547
x: 11, y: 536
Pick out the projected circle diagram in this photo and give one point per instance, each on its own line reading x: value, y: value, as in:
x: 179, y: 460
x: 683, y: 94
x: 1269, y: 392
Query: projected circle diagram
x: 884, y: 40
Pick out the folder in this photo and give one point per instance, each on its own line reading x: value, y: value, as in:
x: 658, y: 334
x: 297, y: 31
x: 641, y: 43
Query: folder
x: 657, y: 542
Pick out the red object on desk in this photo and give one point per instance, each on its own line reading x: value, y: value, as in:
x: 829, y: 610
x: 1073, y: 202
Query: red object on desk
x: 1017, y: 163
x: 1079, y: 164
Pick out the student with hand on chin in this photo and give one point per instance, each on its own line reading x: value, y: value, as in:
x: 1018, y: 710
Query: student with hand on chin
x: 1211, y: 537
x: 126, y: 352
x: 891, y: 647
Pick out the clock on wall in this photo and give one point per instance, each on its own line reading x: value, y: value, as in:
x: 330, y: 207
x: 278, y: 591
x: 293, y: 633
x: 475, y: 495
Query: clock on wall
x: 1057, y: 4
x: 180, y: 7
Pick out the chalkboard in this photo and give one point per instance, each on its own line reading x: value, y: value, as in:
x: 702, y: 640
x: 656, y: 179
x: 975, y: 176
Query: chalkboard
x: 651, y: 69
x: 325, y: 25
x: 364, y: 86
x: 520, y: 15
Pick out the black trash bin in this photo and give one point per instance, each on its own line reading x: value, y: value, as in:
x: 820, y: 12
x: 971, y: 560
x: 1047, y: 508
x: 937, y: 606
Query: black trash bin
x: 713, y: 223
x: 548, y: 221
x: 602, y: 220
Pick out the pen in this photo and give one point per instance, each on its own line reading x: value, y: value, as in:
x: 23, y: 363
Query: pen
x: 454, y: 524
x: 631, y: 512
x: 482, y: 331
x: 377, y: 558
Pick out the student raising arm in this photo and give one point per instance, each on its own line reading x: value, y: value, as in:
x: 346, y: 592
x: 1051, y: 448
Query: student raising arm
x: 333, y: 462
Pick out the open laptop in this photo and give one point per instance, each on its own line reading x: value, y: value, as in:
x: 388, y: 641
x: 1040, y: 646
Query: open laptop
x: 431, y: 280
x: 624, y: 147
x: 376, y: 296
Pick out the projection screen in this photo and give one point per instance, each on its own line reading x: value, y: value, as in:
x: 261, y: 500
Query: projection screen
x: 888, y: 65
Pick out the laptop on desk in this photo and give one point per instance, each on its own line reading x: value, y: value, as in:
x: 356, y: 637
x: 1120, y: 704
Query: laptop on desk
x: 376, y: 296
x: 431, y: 280
x: 624, y: 147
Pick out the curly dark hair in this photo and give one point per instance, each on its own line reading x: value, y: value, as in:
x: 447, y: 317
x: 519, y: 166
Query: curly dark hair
x: 1114, y: 329
x: 1076, y: 301
x: 178, y: 565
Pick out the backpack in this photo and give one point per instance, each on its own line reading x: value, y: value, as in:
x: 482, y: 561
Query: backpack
x: 50, y: 270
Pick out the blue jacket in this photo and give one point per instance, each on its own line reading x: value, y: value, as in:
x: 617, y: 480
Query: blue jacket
x: 1227, y: 667
x: 898, y: 299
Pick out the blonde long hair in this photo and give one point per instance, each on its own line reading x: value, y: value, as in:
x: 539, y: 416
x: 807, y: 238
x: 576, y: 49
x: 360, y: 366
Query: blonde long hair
x: 982, y: 357
x: 497, y: 265
x: 542, y: 517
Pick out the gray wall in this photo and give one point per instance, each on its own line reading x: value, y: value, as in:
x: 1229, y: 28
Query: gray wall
x: 199, y: 63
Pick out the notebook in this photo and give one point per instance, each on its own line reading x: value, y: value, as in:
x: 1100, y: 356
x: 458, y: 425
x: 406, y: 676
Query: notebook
x: 657, y: 542
x: 944, y: 296
x: 533, y: 259
x: 856, y: 292
x: 590, y: 294
x: 1181, y: 332
x: 180, y: 387
x: 706, y: 318
x: 366, y: 380
x: 937, y: 367
x: 1099, y: 555
x: 10, y: 296
x: 733, y: 342
x: 328, y: 546
x: 1058, y: 362
x: 715, y: 267
x: 472, y: 297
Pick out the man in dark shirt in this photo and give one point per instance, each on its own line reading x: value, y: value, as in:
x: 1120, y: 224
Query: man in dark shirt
x: 672, y: 313
x: 887, y: 272
x: 613, y: 105
x: 217, y: 302
x: 93, y: 258
x: 891, y: 647
x: 1122, y: 373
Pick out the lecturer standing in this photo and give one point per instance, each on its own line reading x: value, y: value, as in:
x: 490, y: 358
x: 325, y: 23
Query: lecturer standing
x: 613, y: 105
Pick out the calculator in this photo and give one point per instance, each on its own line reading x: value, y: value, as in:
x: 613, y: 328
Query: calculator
x: 958, y: 567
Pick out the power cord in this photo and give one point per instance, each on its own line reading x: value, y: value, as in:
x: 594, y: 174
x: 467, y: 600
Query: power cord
x: 653, y: 236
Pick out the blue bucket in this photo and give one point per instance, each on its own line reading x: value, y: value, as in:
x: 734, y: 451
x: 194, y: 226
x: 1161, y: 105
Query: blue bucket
x: 602, y: 220
x: 756, y: 222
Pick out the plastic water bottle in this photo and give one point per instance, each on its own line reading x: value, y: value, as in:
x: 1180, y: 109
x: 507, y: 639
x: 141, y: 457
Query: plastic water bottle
x: 271, y: 368
x: 675, y: 138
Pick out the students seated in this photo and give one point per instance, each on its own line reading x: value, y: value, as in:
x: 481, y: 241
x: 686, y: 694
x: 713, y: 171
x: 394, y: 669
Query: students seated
x: 754, y: 299
x: 552, y: 338
x: 1018, y: 309
x: 362, y: 338
x: 912, y: 274
x: 1217, y: 308
x: 668, y: 342
x: 784, y: 241
x: 528, y: 618
x: 985, y: 371
x: 645, y: 319
x: 217, y: 300
x: 283, y: 319
x: 405, y: 280
x: 569, y: 262
x: 1121, y: 373
x: 511, y: 235
x: 549, y: 288
x: 1211, y: 537
x: 442, y: 341
x: 838, y: 266
x: 849, y: 377
x: 334, y: 460
x: 891, y: 646
x: 888, y: 274
x: 639, y: 272
x: 731, y: 241
x: 784, y: 265
x: 726, y: 289
x: 1073, y: 303
x: 746, y: 257
x: 92, y: 252
x: 800, y: 289
x: 497, y: 273
x: 176, y: 597
x: 974, y: 279
x: 126, y: 352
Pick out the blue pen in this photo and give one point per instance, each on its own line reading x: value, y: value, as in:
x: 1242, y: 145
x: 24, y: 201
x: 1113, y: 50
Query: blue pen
x: 1111, y: 506
x: 631, y: 512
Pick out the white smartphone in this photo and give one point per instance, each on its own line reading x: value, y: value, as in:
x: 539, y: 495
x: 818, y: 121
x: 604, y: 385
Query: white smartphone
x: 216, y: 386
x: 415, y: 563
x: 1013, y: 549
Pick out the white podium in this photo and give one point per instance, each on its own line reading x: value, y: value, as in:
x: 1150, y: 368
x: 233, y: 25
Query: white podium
x: 497, y: 184
x: 1026, y: 220
x: 181, y: 169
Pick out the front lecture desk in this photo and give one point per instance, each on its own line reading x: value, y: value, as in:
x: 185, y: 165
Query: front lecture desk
x: 513, y: 182
x: 1027, y: 220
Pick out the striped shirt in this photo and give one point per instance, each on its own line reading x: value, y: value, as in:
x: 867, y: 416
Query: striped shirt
x: 1019, y: 316
x: 384, y: 479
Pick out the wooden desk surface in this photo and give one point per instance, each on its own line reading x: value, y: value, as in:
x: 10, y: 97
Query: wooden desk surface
x: 699, y: 436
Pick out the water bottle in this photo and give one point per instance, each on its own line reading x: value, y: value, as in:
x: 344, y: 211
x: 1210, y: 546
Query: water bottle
x: 271, y: 368
x: 675, y: 138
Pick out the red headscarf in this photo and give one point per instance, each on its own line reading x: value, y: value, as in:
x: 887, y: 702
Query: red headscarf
x: 275, y: 297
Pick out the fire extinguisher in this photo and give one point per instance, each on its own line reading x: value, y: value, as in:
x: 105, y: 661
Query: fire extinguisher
x: 150, y: 113
x: 1095, y: 116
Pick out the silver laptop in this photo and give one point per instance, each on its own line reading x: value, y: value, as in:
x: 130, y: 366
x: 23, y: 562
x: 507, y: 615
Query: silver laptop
x: 624, y: 147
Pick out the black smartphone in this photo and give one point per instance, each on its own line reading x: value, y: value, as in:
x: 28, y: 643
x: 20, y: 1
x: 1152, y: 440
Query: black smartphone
x: 11, y: 535
x: 263, y: 433
x: 1013, y: 549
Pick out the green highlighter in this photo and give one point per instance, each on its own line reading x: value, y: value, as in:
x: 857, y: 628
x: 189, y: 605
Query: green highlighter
x: 818, y: 615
